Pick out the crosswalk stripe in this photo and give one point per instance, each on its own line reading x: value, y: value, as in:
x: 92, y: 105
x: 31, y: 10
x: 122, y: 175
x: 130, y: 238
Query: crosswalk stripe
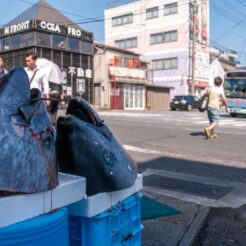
x: 226, y: 123
x: 239, y: 124
x: 181, y: 118
x: 201, y: 122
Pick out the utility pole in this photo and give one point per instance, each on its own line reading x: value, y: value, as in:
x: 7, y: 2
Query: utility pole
x: 193, y: 47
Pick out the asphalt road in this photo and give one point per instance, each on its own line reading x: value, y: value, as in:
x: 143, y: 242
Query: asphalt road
x: 179, y: 163
x: 174, y: 141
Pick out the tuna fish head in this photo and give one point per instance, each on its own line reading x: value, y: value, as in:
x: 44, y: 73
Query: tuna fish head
x: 86, y: 147
x: 28, y: 158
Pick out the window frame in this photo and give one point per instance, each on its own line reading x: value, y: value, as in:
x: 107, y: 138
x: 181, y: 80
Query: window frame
x: 123, y: 43
x: 59, y: 45
x: 169, y: 8
x: 28, y: 39
x: 150, y: 13
x: 122, y: 20
x: 71, y: 41
x: 47, y: 37
x: 162, y: 37
x: 162, y: 64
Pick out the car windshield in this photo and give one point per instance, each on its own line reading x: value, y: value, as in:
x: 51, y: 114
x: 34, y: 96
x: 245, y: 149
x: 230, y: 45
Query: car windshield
x: 178, y: 97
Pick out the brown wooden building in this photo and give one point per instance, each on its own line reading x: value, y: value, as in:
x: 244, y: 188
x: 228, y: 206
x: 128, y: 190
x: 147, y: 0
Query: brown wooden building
x: 119, y: 79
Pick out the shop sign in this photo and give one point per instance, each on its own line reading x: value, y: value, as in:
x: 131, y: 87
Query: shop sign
x: 47, y: 26
x: 198, y: 83
x: 50, y: 26
x: 127, y: 72
x: 80, y: 72
x: 72, y: 71
x: 17, y: 27
x: 74, y: 32
x: 80, y: 85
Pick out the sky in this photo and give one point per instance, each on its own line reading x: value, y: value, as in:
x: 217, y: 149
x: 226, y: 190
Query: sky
x: 227, y: 19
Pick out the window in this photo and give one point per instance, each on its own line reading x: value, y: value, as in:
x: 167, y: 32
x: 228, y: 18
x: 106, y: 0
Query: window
x: 126, y: 43
x: 164, y: 64
x: 73, y: 44
x: 152, y: 13
x: 163, y: 37
x: 43, y: 39
x: 117, y: 89
x: 122, y: 20
x: 27, y: 39
x: 15, y: 41
x: 59, y: 41
x: 86, y: 47
x: 5, y: 44
x: 170, y: 9
x: 2, y: 44
x: 133, y: 96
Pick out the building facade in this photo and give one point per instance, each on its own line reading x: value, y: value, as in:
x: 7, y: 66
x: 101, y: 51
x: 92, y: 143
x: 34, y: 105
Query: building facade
x: 45, y: 31
x: 227, y: 59
x: 162, y: 31
x: 119, y: 79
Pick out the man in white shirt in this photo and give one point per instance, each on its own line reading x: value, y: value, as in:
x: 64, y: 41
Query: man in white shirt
x: 36, y: 77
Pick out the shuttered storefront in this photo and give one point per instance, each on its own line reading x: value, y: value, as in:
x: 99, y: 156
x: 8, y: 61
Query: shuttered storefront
x: 157, y: 98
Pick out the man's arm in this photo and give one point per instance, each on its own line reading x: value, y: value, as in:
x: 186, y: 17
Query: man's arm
x: 205, y: 93
x: 223, y: 100
x: 46, y: 89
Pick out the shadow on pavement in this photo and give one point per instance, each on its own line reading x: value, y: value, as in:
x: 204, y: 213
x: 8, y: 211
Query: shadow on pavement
x: 196, y: 134
x: 204, y: 169
x: 223, y: 226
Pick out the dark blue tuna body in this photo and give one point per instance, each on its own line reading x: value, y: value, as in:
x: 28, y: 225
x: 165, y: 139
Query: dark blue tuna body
x: 86, y: 147
x: 28, y: 158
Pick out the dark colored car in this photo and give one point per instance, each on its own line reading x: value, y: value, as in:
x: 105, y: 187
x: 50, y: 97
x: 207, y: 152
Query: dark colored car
x: 184, y: 103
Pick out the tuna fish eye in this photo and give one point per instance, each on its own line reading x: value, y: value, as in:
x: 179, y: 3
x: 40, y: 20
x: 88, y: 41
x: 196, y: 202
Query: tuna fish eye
x: 109, y: 158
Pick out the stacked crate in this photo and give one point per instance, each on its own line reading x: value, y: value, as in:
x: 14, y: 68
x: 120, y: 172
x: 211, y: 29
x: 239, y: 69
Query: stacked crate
x: 107, y: 219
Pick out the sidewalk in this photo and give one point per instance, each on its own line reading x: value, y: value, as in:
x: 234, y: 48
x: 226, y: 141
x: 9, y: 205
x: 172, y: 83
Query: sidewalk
x: 180, y: 230
x: 195, y: 226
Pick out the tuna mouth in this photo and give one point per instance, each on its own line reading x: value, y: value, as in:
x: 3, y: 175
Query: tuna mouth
x: 40, y: 135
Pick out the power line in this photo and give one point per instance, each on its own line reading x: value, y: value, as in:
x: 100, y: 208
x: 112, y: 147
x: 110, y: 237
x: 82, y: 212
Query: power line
x: 87, y: 20
x: 62, y: 11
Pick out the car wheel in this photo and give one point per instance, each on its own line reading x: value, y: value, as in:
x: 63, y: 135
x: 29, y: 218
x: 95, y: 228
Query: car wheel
x: 173, y: 109
x: 233, y: 115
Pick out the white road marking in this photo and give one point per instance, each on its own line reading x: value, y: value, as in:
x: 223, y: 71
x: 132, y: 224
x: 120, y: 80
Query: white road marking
x: 141, y: 150
x: 178, y: 118
x: 154, y: 152
x: 201, y: 122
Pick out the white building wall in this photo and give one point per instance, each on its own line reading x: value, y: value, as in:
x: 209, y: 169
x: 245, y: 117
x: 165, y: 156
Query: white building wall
x: 142, y: 28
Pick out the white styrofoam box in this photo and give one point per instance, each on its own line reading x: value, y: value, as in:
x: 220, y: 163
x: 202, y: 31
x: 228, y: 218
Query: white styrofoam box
x: 17, y: 208
x: 93, y: 205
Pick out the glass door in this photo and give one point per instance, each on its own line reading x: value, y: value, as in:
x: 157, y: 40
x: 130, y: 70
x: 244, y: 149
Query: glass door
x: 133, y: 96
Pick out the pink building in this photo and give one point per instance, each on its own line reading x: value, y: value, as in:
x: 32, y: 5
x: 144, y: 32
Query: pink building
x: 162, y: 31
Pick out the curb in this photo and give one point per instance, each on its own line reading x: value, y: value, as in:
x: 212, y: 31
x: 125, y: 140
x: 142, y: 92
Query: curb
x: 193, y: 230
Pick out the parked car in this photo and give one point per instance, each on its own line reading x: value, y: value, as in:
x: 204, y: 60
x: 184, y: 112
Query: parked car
x: 184, y: 103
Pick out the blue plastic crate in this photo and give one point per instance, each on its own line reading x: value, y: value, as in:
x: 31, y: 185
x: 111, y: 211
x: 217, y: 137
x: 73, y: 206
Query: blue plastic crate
x: 120, y: 225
